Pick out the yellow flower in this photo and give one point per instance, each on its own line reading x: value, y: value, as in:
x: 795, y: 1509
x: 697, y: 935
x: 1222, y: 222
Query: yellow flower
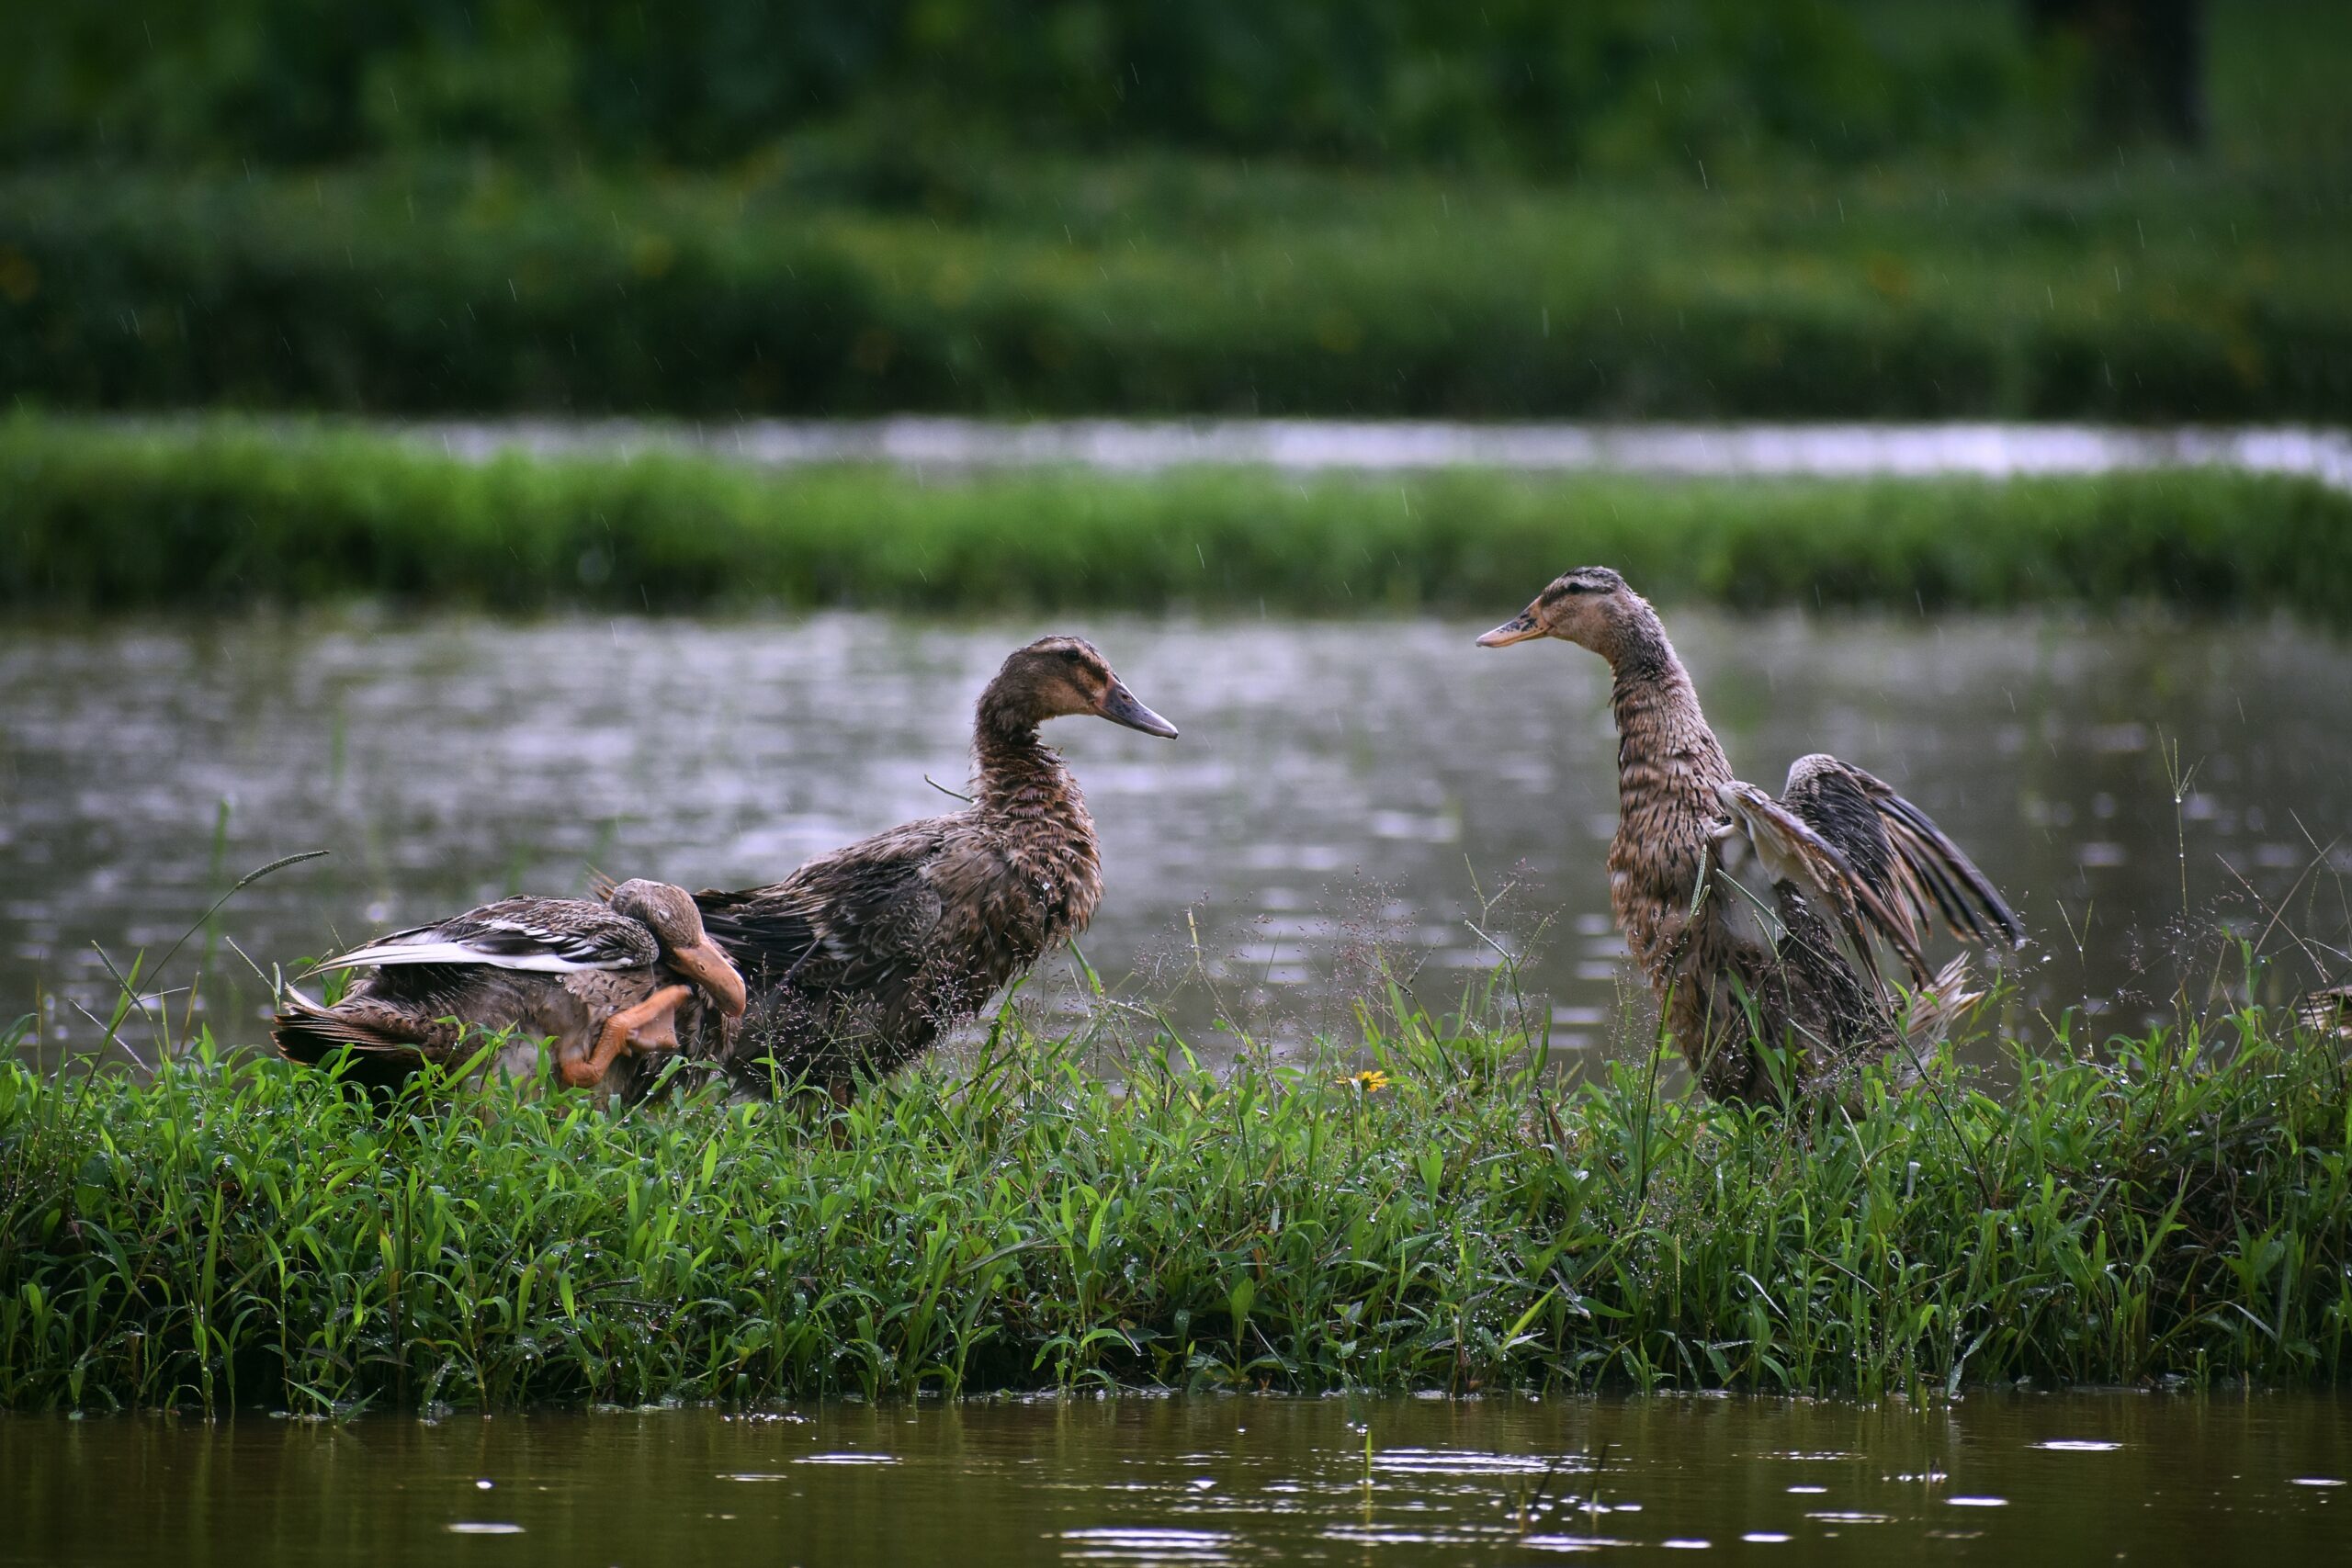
x: 1371, y: 1080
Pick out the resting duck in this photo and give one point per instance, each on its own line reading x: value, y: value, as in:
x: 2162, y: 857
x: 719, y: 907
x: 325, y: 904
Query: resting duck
x: 600, y: 978
x: 1847, y: 857
x: 859, y: 960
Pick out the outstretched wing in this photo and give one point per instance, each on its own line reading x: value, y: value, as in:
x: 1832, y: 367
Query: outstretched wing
x: 1898, y: 849
x: 2326, y: 1011
x: 553, y: 936
x: 1791, y: 851
x: 857, y: 920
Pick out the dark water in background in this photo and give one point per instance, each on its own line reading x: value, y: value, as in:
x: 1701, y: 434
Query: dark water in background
x: 1336, y: 784
x: 2015, y: 1479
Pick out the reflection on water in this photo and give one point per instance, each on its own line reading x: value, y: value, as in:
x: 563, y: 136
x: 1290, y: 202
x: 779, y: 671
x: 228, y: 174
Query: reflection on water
x: 2021, y: 1478
x: 1336, y: 786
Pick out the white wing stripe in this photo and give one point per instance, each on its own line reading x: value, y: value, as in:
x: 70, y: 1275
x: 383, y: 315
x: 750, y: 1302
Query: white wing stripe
x: 461, y: 953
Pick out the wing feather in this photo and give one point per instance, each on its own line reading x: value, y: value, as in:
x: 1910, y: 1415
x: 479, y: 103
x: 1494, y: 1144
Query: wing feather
x: 553, y: 936
x: 854, y: 921
x: 1793, y: 852
x: 1898, y: 849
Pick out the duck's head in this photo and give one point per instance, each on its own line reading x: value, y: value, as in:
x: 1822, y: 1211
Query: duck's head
x: 1058, y: 676
x: 1589, y: 606
x: 669, y: 912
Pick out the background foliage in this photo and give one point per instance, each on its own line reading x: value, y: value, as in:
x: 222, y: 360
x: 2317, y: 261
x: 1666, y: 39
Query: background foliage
x: 1528, y: 81
x: 1699, y: 209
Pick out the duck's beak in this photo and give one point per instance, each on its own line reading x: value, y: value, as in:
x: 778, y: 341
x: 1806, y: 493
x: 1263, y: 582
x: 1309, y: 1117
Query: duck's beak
x: 1519, y: 628
x: 1119, y: 706
x: 713, y: 973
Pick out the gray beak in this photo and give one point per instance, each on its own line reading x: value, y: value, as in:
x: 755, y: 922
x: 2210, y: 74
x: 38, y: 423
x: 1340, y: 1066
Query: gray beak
x: 1119, y: 706
x: 1519, y: 628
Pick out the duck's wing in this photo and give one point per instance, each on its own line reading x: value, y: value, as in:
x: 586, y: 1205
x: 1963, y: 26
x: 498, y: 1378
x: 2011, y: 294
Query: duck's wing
x: 555, y: 936
x: 2327, y: 1011
x: 856, y: 921
x: 1793, y: 852
x: 1898, y: 849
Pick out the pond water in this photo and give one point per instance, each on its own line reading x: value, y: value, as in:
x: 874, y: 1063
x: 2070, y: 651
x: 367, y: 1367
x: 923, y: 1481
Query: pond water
x: 2080, y: 1478
x: 1336, y: 787
x: 1986, y: 450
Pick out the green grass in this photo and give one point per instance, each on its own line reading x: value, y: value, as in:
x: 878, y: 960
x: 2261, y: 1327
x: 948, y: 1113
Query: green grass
x: 238, y: 1233
x: 2138, y: 289
x: 225, y: 512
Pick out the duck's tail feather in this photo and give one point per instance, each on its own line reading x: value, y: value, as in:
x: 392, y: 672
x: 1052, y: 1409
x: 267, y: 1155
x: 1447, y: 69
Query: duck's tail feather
x: 1939, y: 1007
x: 309, y: 1033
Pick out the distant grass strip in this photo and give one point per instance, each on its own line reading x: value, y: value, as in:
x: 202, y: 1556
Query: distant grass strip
x: 238, y: 1233
x: 224, y: 513
x: 1009, y: 285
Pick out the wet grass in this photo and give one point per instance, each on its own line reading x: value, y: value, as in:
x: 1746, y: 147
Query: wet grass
x: 225, y: 512
x: 235, y: 1233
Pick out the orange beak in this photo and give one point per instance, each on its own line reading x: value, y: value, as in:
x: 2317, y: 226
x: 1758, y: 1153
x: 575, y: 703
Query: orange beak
x: 714, y: 973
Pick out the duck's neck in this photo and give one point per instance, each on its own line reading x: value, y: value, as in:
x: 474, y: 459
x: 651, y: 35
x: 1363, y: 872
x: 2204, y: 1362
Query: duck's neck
x: 1665, y: 750
x: 1018, y: 777
x: 1022, y: 790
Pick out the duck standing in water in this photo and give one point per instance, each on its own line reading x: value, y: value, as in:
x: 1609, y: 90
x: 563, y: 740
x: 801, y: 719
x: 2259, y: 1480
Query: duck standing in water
x: 629, y: 976
x: 862, y: 957
x: 1848, y: 858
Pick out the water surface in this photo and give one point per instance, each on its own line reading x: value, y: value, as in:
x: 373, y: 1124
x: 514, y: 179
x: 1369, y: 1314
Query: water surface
x: 2081, y: 1478
x: 1980, y: 449
x: 1340, y: 787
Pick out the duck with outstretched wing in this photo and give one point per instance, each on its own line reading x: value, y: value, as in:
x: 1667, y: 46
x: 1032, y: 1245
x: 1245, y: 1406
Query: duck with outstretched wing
x: 1851, y: 863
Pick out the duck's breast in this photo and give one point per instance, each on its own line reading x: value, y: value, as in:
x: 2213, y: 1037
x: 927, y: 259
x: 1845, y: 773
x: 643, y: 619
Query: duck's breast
x: 994, y: 920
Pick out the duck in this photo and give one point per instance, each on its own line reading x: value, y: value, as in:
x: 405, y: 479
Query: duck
x: 630, y: 973
x: 1848, y: 860
x: 860, y: 959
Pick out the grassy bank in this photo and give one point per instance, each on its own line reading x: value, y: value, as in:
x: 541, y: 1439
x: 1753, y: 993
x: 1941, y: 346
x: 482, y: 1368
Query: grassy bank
x: 239, y: 1232
x: 2137, y: 290
x: 223, y: 514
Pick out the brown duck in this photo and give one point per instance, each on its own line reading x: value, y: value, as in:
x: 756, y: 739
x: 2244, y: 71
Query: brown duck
x: 862, y: 957
x: 600, y: 979
x: 1847, y: 857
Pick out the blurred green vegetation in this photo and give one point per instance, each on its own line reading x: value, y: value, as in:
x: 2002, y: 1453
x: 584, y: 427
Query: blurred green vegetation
x: 1596, y: 87
x: 1786, y: 208
x: 224, y: 513
x: 1531, y: 83
x: 1154, y: 284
